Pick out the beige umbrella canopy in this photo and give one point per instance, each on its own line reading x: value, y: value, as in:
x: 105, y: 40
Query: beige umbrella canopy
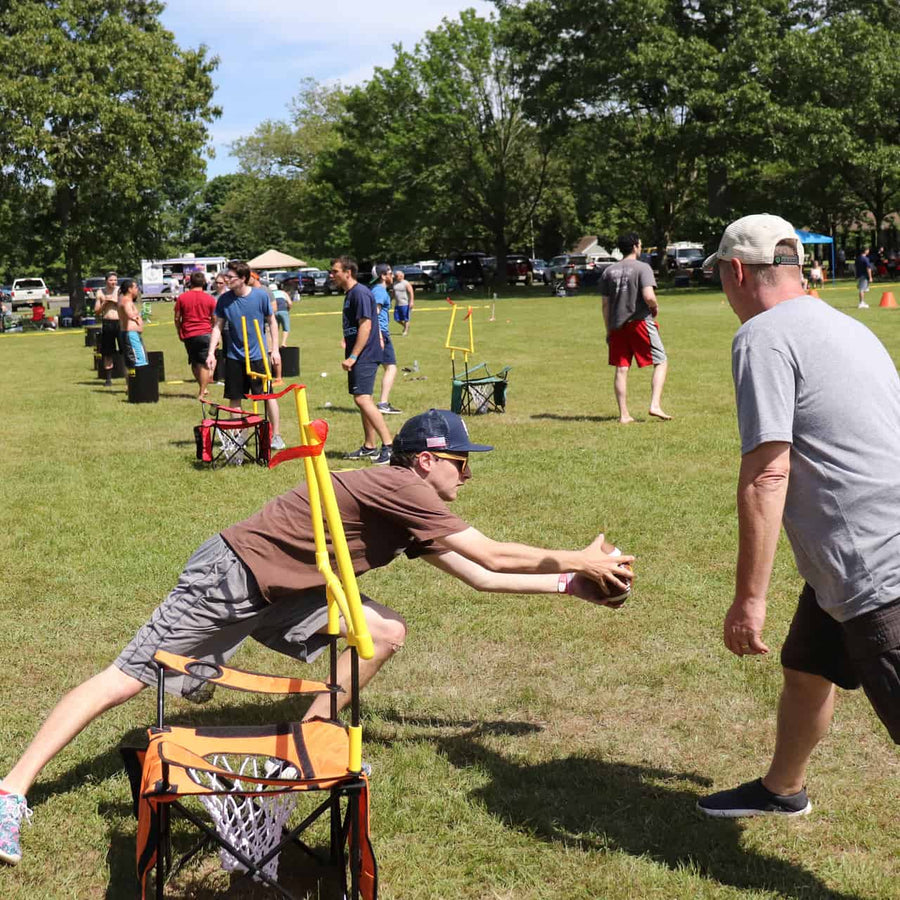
x: 274, y: 259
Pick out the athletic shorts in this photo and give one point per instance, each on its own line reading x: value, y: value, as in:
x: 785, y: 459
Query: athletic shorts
x: 213, y: 609
x: 638, y: 340
x: 133, y: 349
x: 197, y: 348
x: 864, y: 651
x: 388, y: 356
x: 283, y: 319
x: 109, y: 336
x: 237, y: 382
x: 361, y: 378
x: 862, y: 285
x: 401, y: 313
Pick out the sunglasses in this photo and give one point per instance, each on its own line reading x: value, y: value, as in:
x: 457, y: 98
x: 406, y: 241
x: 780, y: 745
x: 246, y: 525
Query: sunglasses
x: 461, y: 462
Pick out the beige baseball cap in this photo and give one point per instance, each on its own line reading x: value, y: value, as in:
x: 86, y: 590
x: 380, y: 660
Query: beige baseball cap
x: 753, y: 240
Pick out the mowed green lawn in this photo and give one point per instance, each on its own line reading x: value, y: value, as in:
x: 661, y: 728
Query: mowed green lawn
x: 523, y: 747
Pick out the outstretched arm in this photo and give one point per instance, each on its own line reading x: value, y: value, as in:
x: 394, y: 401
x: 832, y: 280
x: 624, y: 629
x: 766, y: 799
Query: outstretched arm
x: 507, y: 558
x: 476, y: 576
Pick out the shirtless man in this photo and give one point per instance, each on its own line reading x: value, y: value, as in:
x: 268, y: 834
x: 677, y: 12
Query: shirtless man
x: 132, y: 325
x: 106, y: 308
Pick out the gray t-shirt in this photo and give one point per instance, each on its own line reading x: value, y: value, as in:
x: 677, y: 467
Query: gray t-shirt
x: 807, y: 374
x: 624, y: 283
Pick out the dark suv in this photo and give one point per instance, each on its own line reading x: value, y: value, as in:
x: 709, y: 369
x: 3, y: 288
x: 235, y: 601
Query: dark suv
x: 519, y: 269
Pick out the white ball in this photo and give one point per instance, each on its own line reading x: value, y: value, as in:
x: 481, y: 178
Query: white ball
x: 327, y: 404
x: 324, y: 374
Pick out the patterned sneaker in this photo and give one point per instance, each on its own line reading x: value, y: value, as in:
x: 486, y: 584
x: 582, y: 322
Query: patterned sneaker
x: 364, y: 452
x: 384, y: 457
x: 387, y: 410
x: 754, y: 799
x: 13, y: 809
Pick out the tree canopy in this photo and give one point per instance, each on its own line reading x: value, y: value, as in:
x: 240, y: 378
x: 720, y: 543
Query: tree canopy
x: 102, y: 107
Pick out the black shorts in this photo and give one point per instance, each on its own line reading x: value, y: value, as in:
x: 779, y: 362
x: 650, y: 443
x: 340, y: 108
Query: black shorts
x: 388, y: 356
x: 109, y: 337
x: 361, y: 378
x: 864, y: 651
x: 197, y: 349
x: 238, y: 383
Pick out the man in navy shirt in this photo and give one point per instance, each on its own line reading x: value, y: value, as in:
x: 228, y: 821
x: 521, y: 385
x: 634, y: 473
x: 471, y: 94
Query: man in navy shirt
x: 362, y: 356
x: 865, y: 272
x: 241, y: 301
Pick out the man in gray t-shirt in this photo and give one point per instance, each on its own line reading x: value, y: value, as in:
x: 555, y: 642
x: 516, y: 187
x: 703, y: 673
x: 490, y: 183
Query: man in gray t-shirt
x: 629, y: 313
x: 818, y: 401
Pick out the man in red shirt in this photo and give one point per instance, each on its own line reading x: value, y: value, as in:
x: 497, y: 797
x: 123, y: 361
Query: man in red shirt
x: 194, y: 313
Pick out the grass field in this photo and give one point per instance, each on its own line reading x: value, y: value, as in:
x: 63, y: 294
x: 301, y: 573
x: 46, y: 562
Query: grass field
x: 523, y: 747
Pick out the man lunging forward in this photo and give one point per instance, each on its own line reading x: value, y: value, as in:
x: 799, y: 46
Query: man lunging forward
x: 259, y: 579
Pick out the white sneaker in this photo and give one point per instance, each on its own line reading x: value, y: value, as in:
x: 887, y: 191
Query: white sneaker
x: 278, y: 442
x: 862, y: 305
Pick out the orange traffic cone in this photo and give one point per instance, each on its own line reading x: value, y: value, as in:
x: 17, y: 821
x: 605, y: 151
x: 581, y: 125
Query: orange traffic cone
x: 813, y: 292
x: 887, y: 300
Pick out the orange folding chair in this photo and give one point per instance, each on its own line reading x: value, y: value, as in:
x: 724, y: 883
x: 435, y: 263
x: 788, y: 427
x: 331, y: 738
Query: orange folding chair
x: 249, y: 779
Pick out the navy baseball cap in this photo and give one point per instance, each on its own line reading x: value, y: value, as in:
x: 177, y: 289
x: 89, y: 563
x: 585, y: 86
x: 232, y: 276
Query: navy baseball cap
x: 381, y: 268
x: 436, y: 430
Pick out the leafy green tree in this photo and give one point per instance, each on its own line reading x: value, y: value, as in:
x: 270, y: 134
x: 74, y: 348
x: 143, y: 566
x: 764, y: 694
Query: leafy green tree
x: 101, y: 104
x: 438, y: 153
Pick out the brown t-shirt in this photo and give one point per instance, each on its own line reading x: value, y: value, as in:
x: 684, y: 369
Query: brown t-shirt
x: 386, y: 511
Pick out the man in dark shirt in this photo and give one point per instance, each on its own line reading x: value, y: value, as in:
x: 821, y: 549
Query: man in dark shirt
x: 259, y: 579
x: 362, y: 356
x: 865, y: 272
x: 629, y: 312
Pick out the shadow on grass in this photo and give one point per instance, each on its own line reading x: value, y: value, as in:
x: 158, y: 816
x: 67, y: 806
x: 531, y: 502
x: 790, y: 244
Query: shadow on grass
x: 598, y: 805
x: 559, y: 418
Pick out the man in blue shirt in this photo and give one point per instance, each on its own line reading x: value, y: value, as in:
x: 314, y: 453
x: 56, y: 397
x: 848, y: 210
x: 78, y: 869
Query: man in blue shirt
x: 241, y: 301
x: 865, y: 272
x: 381, y: 293
x: 362, y: 356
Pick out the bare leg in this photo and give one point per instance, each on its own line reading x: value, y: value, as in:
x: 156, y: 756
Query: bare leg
x: 387, y: 382
x: 74, y: 711
x: 274, y: 415
x: 656, y: 389
x: 373, y: 421
x: 620, y: 385
x: 388, y: 630
x: 804, y: 714
x: 203, y: 376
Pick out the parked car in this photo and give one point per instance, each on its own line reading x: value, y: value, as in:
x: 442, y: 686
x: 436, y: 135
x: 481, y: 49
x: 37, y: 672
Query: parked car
x: 539, y: 268
x: 472, y: 269
x: 93, y: 284
x: 417, y: 277
x: 684, y: 255
x: 429, y: 267
x: 565, y: 264
x: 28, y: 292
x: 519, y: 269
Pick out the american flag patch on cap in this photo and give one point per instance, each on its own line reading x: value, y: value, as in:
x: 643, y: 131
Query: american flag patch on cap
x: 436, y: 442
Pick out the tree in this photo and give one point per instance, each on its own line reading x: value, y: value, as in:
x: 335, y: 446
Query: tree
x: 100, y: 103
x: 437, y: 152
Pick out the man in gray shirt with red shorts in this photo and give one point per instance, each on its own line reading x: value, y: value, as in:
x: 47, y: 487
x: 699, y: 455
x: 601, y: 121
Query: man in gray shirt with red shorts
x: 818, y: 401
x: 629, y: 312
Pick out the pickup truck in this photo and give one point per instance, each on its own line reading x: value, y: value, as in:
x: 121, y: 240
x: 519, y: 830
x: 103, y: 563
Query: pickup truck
x: 28, y: 292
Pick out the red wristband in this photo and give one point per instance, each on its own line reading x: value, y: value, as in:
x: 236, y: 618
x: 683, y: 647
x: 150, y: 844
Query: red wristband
x: 564, y: 585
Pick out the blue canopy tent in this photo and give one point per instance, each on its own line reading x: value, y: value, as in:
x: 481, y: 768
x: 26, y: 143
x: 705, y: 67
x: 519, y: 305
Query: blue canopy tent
x: 810, y: 237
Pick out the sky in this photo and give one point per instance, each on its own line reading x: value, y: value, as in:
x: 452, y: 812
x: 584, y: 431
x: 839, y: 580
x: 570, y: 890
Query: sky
x: 266, y: 47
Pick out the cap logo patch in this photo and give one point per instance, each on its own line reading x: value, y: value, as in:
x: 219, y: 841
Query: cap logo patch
x: 435, y: 442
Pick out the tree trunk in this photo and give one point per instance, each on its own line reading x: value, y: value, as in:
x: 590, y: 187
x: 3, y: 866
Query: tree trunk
x: 67, y: 214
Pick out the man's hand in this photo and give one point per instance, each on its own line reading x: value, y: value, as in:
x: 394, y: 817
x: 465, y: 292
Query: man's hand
x: 275, y: 358
x: 588, y: 589
x: 610, y: 573
x: 347, y: 364
x: 743, y: 628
